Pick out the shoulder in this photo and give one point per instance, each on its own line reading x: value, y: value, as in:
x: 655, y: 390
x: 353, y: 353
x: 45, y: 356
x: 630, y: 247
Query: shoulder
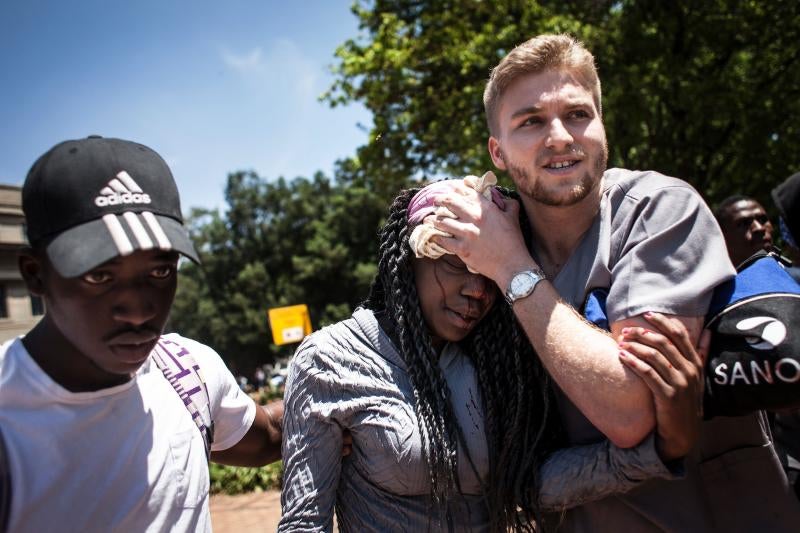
x: 5, y: 348
x: 18, y: 371
x: 635, y: 191
x: 639, y: 184
x: 187, y: 352
x: 331, y: 348
x: 344, y: 356
x: 181, y: 346
x: 190, y: 345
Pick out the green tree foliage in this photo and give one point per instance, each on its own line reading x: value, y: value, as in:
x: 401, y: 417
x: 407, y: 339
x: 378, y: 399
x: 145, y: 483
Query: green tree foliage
x: 707, y: 91
x: 279, y: 243
x: 239, y: 480
x: 421, y: 71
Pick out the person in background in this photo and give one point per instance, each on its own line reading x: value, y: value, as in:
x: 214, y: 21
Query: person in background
x: 260, y: 378
x: 745, y: 226
x: 786, y: 424
x: 787, y: 199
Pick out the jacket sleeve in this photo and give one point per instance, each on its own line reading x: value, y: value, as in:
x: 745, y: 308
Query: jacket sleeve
x: 312, y: 444
x: 580, y: 474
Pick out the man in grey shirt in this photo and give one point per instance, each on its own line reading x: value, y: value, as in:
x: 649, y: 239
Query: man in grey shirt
x: 619, y: 243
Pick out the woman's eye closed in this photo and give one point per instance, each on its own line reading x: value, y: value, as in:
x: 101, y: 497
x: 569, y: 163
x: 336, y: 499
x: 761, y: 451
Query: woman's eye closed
x: 454, y: 265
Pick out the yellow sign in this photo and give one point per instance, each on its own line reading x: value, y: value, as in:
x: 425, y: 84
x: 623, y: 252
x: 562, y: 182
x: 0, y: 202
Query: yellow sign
x: 289, y: 324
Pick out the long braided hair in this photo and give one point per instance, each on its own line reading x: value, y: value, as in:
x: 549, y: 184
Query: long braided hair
x: 514, y: 387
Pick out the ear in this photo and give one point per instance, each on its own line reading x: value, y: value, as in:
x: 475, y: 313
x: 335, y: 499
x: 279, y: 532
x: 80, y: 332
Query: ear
x: 496, y: 153
x: 31, y: 268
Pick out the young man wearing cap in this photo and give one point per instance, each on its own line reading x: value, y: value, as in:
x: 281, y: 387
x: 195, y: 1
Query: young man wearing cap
x: 107, y: 422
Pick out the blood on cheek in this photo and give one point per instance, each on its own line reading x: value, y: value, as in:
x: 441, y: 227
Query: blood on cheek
x: 439, y: 282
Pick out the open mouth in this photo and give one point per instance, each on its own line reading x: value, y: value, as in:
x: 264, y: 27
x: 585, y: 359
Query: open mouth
x: 559, y: 165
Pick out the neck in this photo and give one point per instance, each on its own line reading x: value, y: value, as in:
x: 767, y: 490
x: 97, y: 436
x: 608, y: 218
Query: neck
x: 64, y: 363
x: 557, y: 230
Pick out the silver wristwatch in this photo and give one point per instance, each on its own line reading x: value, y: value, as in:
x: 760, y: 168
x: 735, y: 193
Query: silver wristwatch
x: 522, y: 284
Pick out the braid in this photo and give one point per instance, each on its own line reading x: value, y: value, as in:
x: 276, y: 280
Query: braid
x: 394, y: 291
x: 517, y: 409
x: 519, y: 421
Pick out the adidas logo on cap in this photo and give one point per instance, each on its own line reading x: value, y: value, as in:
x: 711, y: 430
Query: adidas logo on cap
x: 121, y: 190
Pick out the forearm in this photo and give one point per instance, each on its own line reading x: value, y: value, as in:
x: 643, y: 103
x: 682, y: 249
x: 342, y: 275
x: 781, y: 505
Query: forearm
x: 581, y: 474
x: 270, y: 444
x: 261, y: 445
x: 584, y: 361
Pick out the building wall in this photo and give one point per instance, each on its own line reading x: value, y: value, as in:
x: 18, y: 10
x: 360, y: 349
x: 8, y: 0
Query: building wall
x: 16, y: 305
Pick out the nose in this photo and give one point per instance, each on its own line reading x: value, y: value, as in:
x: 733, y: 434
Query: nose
x: 558, y: 137
x: 760, y: 228
x: 476, y: 286
x: 135, y: 305
x: 765, y: 225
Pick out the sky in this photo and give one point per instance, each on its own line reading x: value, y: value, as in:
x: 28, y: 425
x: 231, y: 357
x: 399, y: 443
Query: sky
x: 214, y: 87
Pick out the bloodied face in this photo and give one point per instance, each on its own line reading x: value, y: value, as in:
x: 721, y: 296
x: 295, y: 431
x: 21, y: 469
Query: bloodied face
x: 453, y: 300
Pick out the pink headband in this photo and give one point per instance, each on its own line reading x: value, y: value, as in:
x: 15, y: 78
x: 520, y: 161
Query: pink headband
x: 422, y: 204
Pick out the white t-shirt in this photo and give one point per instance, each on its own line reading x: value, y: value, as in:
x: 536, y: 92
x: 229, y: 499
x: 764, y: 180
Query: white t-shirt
x: 127, y: 458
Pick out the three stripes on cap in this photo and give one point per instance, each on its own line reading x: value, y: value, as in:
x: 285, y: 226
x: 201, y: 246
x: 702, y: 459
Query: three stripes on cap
x: 136, y: 222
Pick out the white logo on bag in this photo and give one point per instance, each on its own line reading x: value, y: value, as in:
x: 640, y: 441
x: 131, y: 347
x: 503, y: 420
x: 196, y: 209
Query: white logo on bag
x: 786, y: 370
x: 773, y: 334
x: 121, y: 190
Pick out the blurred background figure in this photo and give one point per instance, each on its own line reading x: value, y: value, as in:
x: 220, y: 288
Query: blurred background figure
x: 745, y: 225
x: 787, y: 199
x: 259, y: 378
x: 786, y: 424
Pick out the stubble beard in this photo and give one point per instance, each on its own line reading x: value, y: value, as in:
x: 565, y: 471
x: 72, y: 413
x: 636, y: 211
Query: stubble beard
x: 538, y: 192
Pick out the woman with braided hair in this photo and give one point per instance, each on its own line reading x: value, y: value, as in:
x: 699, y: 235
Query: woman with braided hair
x: 450, y: 411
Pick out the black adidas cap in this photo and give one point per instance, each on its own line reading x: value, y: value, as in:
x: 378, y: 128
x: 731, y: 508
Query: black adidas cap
x: 94, y: 199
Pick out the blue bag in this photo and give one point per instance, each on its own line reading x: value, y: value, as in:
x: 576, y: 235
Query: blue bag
x: 754, y: 360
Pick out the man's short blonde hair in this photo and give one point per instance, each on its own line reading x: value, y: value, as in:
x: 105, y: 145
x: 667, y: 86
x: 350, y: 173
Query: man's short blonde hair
x: 543, y: 52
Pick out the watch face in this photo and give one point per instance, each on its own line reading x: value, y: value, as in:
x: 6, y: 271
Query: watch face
x: 522, y: 283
